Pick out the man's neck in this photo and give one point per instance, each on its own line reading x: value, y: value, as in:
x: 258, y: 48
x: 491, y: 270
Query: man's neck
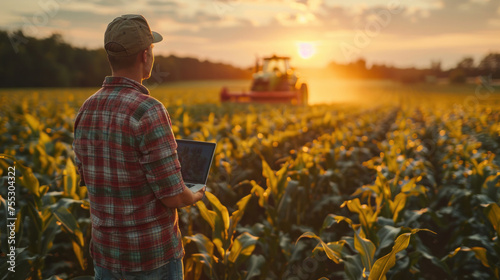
x: 128, y: 74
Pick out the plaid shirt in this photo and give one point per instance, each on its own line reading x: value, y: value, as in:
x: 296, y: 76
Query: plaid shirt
x: 126, y: 155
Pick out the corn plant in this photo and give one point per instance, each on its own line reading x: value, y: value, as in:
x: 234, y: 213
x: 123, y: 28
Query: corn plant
x: 231, y: 251
x: 41, y: 217
x: 489, y: 253
x: 359, y: 253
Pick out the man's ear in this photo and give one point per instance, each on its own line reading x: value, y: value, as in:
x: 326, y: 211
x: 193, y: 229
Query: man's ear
x: 144, y: 56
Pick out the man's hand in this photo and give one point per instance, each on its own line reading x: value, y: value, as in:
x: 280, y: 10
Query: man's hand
x: 187, y: 197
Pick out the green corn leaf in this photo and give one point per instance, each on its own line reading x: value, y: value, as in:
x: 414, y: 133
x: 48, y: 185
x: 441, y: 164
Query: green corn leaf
x: 386, y: 235
x: 366, y: 249
x: 49, y: 233
x: 253, y: 265
x: 68, y: 221
x: 242, y: 247
x: 331, y: 254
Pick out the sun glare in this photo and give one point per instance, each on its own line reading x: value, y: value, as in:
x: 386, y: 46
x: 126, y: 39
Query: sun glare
x: 306, y: 49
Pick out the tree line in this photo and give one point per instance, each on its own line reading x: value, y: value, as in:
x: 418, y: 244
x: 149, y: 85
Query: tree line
x: 51, y: 62
x: 488, y: 66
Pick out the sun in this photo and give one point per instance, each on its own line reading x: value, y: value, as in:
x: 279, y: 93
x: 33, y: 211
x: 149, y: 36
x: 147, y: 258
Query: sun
x: 306, y: 49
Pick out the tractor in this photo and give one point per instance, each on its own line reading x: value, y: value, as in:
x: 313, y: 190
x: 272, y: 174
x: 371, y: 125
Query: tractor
x: 274, y: 81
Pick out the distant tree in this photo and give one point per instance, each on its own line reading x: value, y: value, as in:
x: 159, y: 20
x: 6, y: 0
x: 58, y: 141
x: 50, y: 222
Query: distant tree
x: 466, y: 63
x: 436, y: 69
x: 51, y: 62
x: 490, y: 65
x: 457, y: 76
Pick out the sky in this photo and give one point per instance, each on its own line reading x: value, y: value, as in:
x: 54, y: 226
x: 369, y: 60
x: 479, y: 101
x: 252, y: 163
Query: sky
x: 313, y: 33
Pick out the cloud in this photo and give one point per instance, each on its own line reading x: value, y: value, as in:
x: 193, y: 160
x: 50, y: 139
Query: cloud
x: 228, y: 29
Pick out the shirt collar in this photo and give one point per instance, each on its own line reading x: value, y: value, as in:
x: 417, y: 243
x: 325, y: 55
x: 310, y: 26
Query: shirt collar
x: 110, y: 81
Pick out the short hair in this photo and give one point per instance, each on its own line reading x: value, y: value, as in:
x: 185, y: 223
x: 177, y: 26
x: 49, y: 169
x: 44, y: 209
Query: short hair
x: 120, y: 62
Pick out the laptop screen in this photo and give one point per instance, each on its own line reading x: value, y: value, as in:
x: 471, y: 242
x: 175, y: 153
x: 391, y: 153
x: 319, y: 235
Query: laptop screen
x: 195, y: 158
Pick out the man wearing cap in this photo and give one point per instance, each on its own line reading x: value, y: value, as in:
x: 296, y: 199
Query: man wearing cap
x: 126, y: 156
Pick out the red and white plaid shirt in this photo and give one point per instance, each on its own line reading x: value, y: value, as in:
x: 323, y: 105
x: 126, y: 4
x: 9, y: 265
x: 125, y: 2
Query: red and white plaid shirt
x: 126, y: 155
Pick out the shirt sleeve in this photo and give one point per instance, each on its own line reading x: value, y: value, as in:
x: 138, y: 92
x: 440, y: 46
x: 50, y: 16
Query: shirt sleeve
x: 158, y: 152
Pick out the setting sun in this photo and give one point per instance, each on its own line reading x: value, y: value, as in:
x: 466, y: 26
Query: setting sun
x: 306, y: 49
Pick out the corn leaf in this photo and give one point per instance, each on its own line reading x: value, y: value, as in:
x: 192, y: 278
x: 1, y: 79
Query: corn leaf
x: 397, y: 205
x: 253, y: 265
x: 68, y: 221
x: 238, y: 214
x: 70, y: 179
x: 366, y: 249
x: 331, y: 254
x: 243, y: 247
x: 222, y: 217
x: 382, y: 265
x: 77, y: 249
x: 259, y: 192
x: 272, y: 180
x: 493, y: 213
x: 203, y: 243
x: 207, y: 215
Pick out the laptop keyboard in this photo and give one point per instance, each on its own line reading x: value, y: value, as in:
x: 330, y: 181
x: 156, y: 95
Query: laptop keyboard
x: 189, y: 185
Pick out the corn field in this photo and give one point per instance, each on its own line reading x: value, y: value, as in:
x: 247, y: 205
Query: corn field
x: 401, y: 187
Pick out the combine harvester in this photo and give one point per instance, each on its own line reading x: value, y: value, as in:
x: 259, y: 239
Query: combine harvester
x: 273, y: 82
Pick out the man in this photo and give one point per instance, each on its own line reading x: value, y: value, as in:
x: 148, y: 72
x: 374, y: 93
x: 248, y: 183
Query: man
x: 126, y: 155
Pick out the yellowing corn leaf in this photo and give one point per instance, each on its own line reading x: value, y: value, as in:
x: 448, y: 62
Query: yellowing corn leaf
x: 366, y: 215
x: 206, y: 214
x: 382, y: 265
x: 330, y: 253
x: 397, y: 205
x: 70, y: 183
x: 221, y: 211
x: 238, y: 214
x: 493, y: 212
x: 243, y: 246
x: 268, y: 173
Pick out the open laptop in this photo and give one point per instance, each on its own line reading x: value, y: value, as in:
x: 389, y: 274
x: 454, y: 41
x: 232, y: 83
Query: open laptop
x: 195, y: 158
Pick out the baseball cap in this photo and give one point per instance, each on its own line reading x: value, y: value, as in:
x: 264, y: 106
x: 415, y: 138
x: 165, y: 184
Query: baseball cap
x: 129, y: 34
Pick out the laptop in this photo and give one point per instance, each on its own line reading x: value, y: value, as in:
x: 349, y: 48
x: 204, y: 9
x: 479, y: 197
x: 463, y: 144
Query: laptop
x: 195, y: 158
